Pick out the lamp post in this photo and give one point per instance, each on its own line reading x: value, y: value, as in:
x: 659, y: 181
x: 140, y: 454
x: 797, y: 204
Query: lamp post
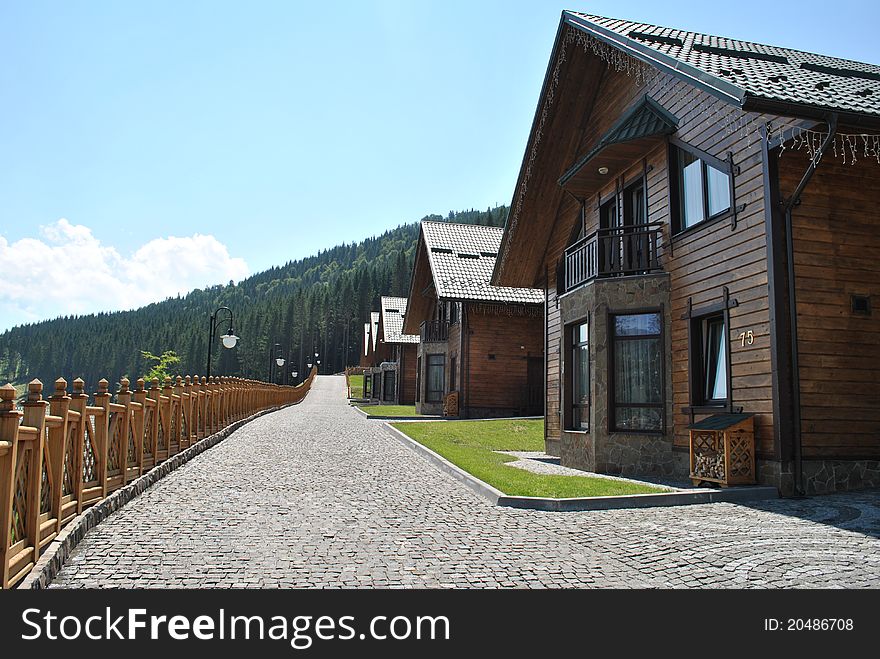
x: 275, y: 358
x: 229, y: 339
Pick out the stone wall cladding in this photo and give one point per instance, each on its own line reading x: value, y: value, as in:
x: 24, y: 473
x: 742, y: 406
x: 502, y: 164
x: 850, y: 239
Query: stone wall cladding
x: 53, y: 559
x: 639, y: 454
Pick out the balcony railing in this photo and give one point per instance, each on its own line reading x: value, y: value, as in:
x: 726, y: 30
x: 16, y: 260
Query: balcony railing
x: 435, y: 330
x: 627, y: 250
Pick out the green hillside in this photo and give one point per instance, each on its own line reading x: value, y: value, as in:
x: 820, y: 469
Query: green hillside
x: 316, y: 303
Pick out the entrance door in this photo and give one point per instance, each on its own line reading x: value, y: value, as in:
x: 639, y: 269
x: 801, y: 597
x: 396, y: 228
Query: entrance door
x: 535, y: 386
x: 388, y: 386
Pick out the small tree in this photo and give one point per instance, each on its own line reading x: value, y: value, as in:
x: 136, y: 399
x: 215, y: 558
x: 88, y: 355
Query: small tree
x: 160, y: 369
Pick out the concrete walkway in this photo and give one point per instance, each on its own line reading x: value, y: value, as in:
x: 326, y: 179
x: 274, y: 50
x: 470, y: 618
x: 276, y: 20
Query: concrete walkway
x: 318, y: 496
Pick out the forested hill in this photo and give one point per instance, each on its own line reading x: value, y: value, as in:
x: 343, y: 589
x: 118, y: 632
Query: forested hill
x: 317, y: 303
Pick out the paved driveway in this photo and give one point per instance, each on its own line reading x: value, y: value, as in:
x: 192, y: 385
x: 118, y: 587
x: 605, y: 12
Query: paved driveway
x: 318, y: 496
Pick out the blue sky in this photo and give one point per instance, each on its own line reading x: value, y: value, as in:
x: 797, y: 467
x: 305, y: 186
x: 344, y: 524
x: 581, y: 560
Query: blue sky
x: 259, y: 132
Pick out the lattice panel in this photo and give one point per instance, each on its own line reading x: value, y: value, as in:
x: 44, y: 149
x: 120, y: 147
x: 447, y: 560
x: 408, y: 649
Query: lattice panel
x: 161, y: 444
x: 89, y: 466
x: 148, y: 431
x: 740, y: 453
x: 184, y: 426
x: 114, y: 450
x: 132, y: 449
x: 45, y: 486
x: 708, y: 450
x: 174, y: 438
x: 20, y: 497
x: 69, y: 461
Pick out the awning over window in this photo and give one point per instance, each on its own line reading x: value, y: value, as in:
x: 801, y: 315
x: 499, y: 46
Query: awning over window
x: 641, y: 127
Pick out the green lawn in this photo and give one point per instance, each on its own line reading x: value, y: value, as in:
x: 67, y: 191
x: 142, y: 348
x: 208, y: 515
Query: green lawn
x: 357, y: 386
x: 471, y: 445
x: 390, y: 410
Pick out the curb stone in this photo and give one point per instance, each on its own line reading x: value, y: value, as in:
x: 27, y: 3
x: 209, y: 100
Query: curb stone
x: 50, y: 563
x: 498, y: 498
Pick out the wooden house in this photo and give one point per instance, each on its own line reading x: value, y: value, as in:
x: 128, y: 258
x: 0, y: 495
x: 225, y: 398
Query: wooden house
x: 391, y: 363
x: 701, y: 214
x: 481, y: 347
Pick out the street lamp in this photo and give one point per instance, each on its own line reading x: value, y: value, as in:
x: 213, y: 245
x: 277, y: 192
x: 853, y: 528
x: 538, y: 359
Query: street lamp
x: 229, y: 339
x: 275, y: 358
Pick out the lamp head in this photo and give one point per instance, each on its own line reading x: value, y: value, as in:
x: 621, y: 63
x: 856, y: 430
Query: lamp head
x: 229, y: 339
x: 280, y: 361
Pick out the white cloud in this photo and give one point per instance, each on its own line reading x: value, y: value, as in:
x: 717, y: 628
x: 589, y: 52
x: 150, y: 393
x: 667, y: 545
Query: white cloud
x: 68, y: 271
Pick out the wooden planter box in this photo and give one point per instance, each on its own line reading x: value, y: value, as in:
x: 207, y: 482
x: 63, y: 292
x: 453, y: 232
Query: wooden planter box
x: 723, y: 450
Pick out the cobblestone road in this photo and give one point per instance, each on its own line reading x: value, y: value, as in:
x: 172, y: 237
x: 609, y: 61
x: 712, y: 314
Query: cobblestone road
x: 318, y: 496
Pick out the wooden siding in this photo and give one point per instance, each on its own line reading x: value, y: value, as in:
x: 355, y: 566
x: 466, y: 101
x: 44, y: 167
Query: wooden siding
x: 700, y: 262
x: 836, y: 255
x: 499, y: 383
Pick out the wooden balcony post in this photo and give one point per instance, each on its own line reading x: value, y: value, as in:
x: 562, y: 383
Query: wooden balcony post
x: 79, y: 400
x: 35, y: 409
x: 59, y: 446
x: 9, y: 422
x: 102, y: 431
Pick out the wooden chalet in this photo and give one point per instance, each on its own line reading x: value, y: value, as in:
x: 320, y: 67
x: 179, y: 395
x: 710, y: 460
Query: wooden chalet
x: 481, y: 347
x: 392, y: 367
x: 701, y: 214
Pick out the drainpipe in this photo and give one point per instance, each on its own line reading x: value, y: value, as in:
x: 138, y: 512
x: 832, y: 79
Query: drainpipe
x: 787, y: 206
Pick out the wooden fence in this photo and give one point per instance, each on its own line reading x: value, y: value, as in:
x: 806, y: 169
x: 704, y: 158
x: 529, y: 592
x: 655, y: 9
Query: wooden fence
x: 354, y: 391
x: 60, y: 456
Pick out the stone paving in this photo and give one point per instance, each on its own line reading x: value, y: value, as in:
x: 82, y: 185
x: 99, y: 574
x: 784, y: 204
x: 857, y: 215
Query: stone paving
x: 318, y: 496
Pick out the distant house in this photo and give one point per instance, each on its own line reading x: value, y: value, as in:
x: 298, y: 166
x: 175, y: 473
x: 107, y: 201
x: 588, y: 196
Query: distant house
x: 703, y: 214
x: 481, y: 347
x: 392, y: 359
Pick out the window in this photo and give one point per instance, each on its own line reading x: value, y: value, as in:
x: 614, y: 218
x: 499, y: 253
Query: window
x: 709, y: 360
x: 452, y: 374
x: 454, y: 313
x: 580, y: 376
x: 702, y: 188
x: 435, y: 378
x: 636, y: 373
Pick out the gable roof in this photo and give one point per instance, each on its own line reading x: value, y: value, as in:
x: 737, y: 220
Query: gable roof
x: 393, y: 311
x: 462, y: 258
x: 366, y: 339
x: 752, y: 75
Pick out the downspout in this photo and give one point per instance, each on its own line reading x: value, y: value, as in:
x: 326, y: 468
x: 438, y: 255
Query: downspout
x: 787, y: 206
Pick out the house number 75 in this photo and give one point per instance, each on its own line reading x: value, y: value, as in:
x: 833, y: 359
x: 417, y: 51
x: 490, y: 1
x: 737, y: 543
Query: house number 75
x: 746, y: 338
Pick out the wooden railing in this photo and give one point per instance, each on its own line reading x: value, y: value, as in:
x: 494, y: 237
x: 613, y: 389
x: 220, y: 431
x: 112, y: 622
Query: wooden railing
x: 626, y: 250
x: 60, y: 456
x: 434, y: 330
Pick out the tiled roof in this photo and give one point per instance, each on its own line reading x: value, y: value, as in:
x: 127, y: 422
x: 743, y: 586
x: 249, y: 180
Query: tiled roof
x: 743, y: 69
x: 374, y: 326
x: 462, y: 257
x: 393, y: 310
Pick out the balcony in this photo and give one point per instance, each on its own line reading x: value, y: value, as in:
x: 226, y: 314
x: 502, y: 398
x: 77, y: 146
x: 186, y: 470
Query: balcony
x: 616, y: 252
x: 434, y: 330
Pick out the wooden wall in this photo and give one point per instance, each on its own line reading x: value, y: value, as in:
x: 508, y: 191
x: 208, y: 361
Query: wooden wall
x: 702, y: 261
x: 500, y: 382
x: 836, y: 232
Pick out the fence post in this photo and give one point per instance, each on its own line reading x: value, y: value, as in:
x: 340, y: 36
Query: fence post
x: 166, y: 402
x: 9, y: 421
x: 102, y: 430
x: 79, y: 399
x: 35, y: 417
x: 140, y: 416
x: 154, y: 394
x: 123, y: 397
x: 186, y: 406
x: 59, y: 405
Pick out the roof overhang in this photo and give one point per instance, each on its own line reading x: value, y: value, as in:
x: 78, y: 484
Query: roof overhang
x: 642, y: 127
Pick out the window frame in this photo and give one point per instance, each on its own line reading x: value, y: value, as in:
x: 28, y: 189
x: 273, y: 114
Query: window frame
x: 675, y: 193
x: 611, y: 339
x: 453, y: 364
x: 570, y: 385
x: 442, y: 365
x: 696, y: 360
